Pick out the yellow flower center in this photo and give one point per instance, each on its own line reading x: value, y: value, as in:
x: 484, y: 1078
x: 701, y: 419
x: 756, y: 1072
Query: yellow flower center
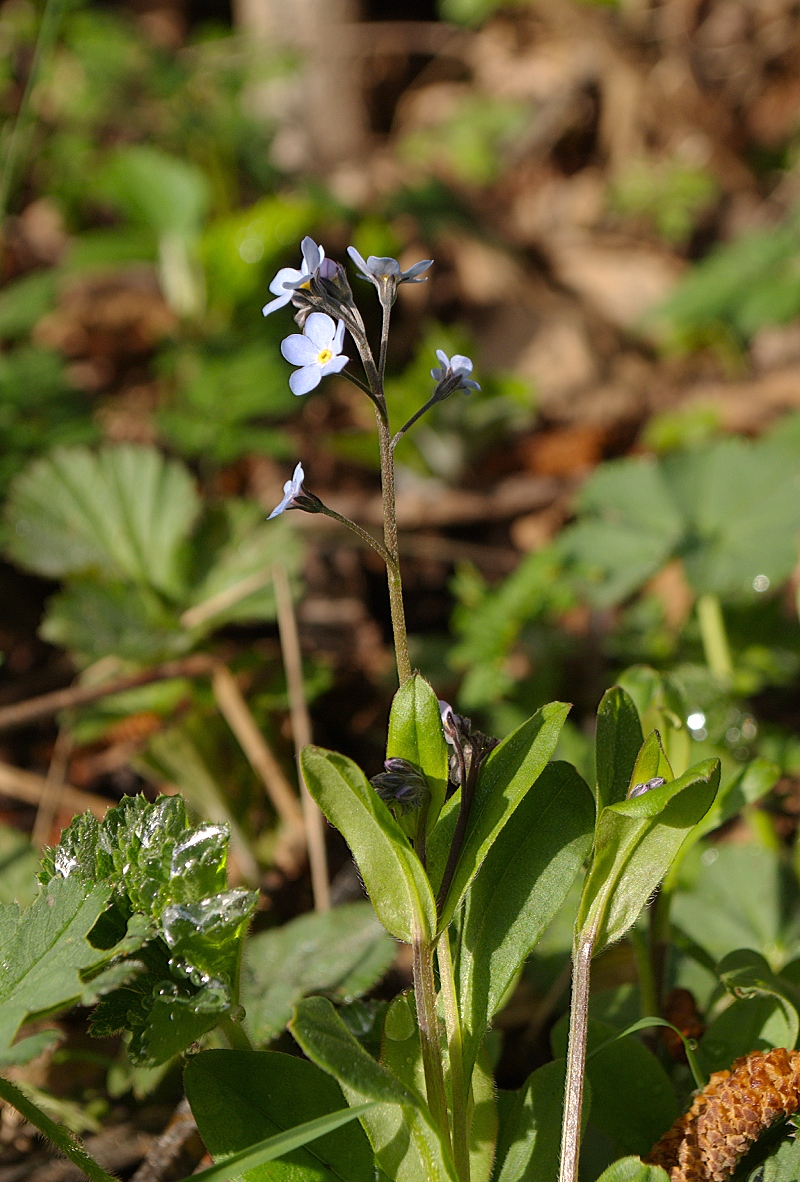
x: 324, y: 356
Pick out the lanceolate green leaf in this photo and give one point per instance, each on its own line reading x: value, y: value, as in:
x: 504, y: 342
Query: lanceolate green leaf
x: 415, y: 734
x: 506, y: 776
x: 617, y: 743
x: 392, y: 872
x: 651, y: 761
x: 44, y: 950
x: 405, y: 1142
x: 635, y: 844
x: 241, y: 1098
x: 521, y: 885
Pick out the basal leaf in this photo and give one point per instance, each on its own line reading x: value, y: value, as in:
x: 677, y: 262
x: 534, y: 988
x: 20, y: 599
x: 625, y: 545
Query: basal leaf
x: 617, y: 742
x: 509, y: 772
x: 415, y: 734
x: 124, y: 512
x: 520, y: 886
x: 392, y: 872
x: 407, y: 1146
x: 344, y: 951
x: 635, y: 844
x: 95, y: 620
x: 239, y: 1098
x: 44, y: 950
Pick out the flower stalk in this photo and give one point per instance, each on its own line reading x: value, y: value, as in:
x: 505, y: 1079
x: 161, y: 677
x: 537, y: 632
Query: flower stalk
x: 576, y: 1056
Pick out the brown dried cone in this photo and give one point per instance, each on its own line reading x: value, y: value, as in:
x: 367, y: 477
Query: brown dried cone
x: 728, y: 1116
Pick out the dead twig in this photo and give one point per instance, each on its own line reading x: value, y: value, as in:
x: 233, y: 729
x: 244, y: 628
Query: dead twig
x: 27, y: 786
x: 162, y: 1154
x: 45, y: 706
x: 301, y: 732
x: 236, y: 712
x: 53, y: 793
x: 193, y: 617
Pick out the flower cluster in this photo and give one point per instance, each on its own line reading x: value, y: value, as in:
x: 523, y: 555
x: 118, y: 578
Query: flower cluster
x: 401, y: 786
x: 320, y: 295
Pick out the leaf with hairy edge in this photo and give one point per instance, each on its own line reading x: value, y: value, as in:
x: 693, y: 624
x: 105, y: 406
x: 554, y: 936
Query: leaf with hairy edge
x: 240, y: 1098
x: 519, y: 888
x: 125, y: 511
x: 415, y: 734
x: 507, y: 775
x: 617, y: 743
x: 635, y: 844
x: 633, y: 1169
x: 344, y: 950
x: 43, y: 952
x: 400, y: 1130
x: 393, y: 874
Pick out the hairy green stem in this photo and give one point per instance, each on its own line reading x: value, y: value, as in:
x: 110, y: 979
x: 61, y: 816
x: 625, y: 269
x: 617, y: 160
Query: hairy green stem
x: 576, y: 1057
x: 65, y: 1141
x: 425, y: 997
x: 714, y: 637
x: 362, y: 533
x: 235, y: 1034
x: 390, y: 540
x: 459, y: 1085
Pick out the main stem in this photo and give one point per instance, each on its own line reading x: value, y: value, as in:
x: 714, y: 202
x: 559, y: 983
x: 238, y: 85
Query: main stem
x: 576, y: 1057
x: 459, y: 1085
x: 390, y: 541
x: 425, y: 996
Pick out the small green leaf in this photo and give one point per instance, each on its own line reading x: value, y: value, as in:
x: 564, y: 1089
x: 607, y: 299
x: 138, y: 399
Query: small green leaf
x: 415, y: 734
x: 651, y: 762
x: 239, y: 1098
x: 43, y: 952
x: 95, y: 620
x: 636, y: 842
x: 392, y: 872
x: 509, y: 772
x: 617, y: 743
x: 530, y: 1139
x: 784, y: 1165
x: 125, y: 512
x: 764, y: 1015
x: 633, y: 1169
x: 633, y: 1101
x: 401, y: 1133
x: 520, y: 886
x: 345, y: 951
x: 745, y: 787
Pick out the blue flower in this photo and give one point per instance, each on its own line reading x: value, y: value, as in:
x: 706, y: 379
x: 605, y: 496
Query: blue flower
x: 377, y: 269
x: 292, y: 489
x: 453, y: 374
x: 318, y: 351
x: 288, y: 280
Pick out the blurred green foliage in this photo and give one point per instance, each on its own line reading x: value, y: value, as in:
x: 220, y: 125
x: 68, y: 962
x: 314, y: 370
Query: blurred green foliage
x: 670, y: 195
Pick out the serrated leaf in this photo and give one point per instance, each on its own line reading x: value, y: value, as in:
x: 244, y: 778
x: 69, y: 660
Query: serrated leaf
x: 618, y: 740
x: 344, y: 951
x: 415, y: 734
x: 519, y: 888
x: 393, y: 874
x: 241, y: 1097
x: 636, y: 842
x: 400, y: 1119
x: 94, y: 620
x: 44, y: 950
x: 506, y: 776
x: 124, y: 512
x: 170, y: 909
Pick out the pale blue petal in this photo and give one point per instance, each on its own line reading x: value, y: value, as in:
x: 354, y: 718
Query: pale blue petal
x: 338, y: 339
x: 410, y: 276
x: 305, y: 379
x: 320, y: 329
x: 279, y: 302
x: 312, y: 254
x: 359, y: 261
x: 298, y: 350
x: 296, y: 483
x: 438, y: 374
x: 468, y: 385
x: 278, y: 509
x: 285, y: 277
x: 335, y: 365
x: 383, y: 266
x: 445, y: 360
x: 460, y: 364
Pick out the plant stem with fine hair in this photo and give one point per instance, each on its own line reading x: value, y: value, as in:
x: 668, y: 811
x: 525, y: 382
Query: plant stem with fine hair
x: 576, y: 1057
x: 425, y: 998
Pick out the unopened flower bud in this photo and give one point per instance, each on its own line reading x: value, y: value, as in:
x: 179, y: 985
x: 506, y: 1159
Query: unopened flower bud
x: 647, y: 786
x: 401, y: 786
